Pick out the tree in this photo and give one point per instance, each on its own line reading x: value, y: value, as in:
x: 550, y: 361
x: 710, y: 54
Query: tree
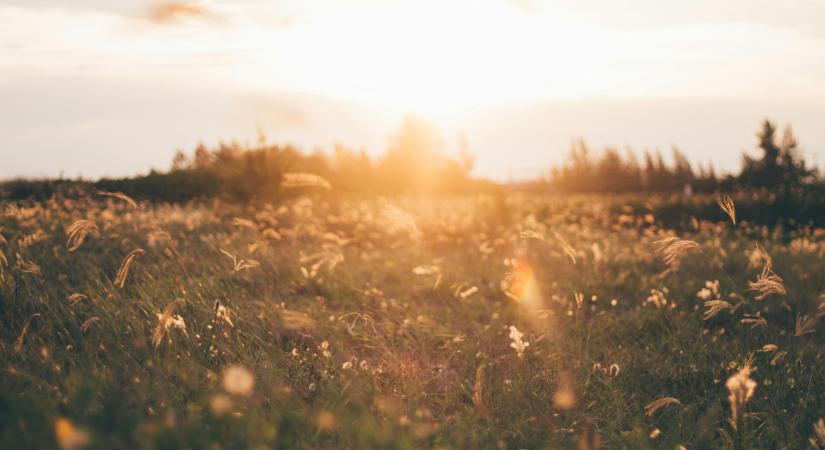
x: 180, y: 161
x: 780, y: 164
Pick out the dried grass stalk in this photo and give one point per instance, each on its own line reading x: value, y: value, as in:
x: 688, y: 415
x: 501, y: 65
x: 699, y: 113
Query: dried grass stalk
x: 805, y: 324
x: 478, y: 389
x: 18, y: 345
x: 163, y: 322
x: 88, y: 324
x: 77, y: 233
x: 659, y: 403
x: 119, y: 196
x: 568, y: 249
x: 726, y: 203
x: 76, y: 297
x: 768, y: 282
x: 714, y: 307
x: 673, y: 248
x: 123, y: 272
x: 741, y: 388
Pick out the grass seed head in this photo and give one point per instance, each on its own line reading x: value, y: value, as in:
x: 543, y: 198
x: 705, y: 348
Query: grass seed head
x: 741, y: 388
x: 726, y: 203
x: 120, y: 196
x: 659, y: 403
x: 123, y: 271
x: 77, y: 233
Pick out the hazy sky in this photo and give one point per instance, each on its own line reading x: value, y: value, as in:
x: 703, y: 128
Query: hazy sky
x: 101, y: 87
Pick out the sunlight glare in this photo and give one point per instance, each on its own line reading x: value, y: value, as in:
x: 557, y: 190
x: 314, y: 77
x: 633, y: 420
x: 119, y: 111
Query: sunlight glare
x: 429, y: 58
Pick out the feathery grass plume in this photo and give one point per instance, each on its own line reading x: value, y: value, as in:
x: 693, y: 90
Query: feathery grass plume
x: 167, y: 321
x: 805, y: 324
x: 767, y: 282
x: 123, y: 271
x: 672, y: 248
x: 30, y: 239
x: 655, y: 405
x: 304, y: 180
x: 222, y: 314
x: 18, y: 345
x: 714, y: 307
x: 726, y: 203
x: 517, y: 343
x: 218, y: 330
x: 76, y: 297
x: 26, y: 266
x: 119, y: 196
x: 758, y: 257
x: 242, y: 264
x: 77, y: 233
x: 778, y: 357
x: 767, y: 348
x: 70, y: 437
x: 754, y: 320
x: 478, y: 388
x: 88, y: 324
x: 398, y: 219
x: 468, y: 292
x: 741, y: 388
x: 568, y: 249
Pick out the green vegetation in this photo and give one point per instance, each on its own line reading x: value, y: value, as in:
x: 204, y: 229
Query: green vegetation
x: 263, y: 298
x: 440, y: 322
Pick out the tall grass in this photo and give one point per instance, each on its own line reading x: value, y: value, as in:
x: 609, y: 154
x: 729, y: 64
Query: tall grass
x: 328, y: 322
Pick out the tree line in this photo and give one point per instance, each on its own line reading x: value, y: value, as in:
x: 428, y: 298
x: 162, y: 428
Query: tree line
x: 418, y: 160
x: 780, y: 166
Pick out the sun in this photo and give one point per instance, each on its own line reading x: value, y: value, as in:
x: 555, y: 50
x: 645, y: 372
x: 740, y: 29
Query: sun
x: 429, y: 57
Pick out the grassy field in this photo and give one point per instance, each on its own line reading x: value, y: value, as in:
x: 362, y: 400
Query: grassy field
x: 331, y: 322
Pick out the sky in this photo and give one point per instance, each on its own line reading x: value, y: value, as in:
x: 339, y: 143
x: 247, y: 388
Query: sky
x: 100, y: 88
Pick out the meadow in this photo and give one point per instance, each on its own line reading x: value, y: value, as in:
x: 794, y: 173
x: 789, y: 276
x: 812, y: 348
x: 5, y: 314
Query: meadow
x: 330, y: 321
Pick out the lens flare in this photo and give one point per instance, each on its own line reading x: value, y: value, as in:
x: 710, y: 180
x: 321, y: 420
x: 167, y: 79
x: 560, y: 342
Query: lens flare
x: 521, y: 286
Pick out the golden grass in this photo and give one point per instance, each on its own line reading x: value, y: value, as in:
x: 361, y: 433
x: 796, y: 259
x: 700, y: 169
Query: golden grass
x: 123, y: 271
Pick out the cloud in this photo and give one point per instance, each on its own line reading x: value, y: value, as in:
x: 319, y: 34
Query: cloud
x: 121, y: 7
x: 176, y: 11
